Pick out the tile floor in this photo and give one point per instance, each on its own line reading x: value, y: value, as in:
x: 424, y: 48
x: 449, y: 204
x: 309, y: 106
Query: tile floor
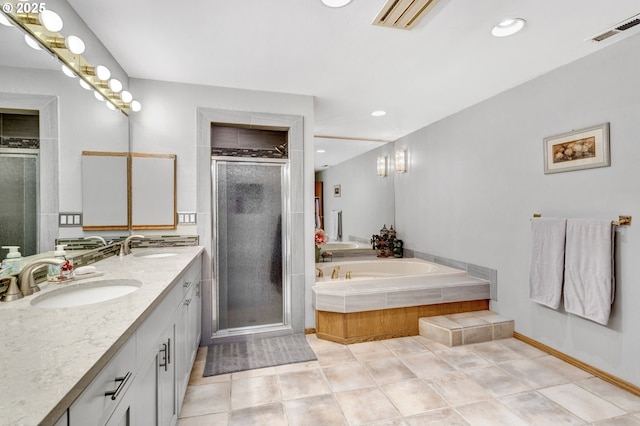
x: 410, y: 381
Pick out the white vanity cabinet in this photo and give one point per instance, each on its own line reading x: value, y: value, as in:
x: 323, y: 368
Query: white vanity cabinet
x: 154, y: 364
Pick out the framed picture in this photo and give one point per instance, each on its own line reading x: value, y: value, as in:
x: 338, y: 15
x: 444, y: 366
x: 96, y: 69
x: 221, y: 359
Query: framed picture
x: 336, y: 190
x: 577, y: 150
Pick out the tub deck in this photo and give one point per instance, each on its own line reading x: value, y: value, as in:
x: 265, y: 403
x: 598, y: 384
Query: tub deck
x: 348, y: 311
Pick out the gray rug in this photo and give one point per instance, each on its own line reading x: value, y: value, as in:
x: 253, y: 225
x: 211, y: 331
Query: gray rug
x: 258, y: 353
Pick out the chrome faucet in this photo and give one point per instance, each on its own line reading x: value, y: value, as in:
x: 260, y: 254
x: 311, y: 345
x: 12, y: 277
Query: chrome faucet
x: 26, y: 282
x: 320, y: 273
x: 334, y: 274
x: 125, y: 248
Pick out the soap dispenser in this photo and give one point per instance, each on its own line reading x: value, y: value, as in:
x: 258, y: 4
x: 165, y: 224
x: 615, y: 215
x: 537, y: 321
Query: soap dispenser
x: 57, y: 273
x: 13, y: 263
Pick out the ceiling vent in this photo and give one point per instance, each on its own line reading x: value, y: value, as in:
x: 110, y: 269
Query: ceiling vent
x: 403, y: 14
x: 617, y: 29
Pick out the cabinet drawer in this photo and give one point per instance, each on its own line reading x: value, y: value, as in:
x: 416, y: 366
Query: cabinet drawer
x: 101, y: 397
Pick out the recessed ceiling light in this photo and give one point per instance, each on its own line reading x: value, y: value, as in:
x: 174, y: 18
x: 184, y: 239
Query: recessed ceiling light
x: 336, y: 3
x: 321, y: 151
x: 379, y: 113
x: 508, y: 27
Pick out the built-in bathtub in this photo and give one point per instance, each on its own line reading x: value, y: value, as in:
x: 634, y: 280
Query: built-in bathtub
x: 345, y: 246
x: 385, y: 297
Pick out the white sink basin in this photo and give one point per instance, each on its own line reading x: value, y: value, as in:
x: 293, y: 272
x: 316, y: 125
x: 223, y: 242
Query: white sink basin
x: 86, y: 293
x: 154, y: 254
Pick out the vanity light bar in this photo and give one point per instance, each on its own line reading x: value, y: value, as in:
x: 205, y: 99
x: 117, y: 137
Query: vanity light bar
x: 31, y: 23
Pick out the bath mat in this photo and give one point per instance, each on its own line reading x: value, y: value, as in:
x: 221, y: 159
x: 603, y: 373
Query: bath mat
x: 226, y: 358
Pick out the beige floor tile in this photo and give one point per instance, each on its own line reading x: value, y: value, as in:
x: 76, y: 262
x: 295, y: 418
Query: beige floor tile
x: 430, y: 344
x: 370, y: 350
x: 489, y: 412
x: 458, y: 389
x: 197, y: 379
x: 582, y: 403
x: 269, y: 414
x: 496, y: 381
x: 334, y: 355
x: 562, y: 368
x: 206, y: 420
x: 301, y: 384
x: 366, y: 405
x: 522, y: 348
x: 461, y: 358
x: 495, y: 352
x: 413, y: 396
x: 201, y: 354
x: 405, y: 346
x: 206, y: 399
x: 254, y: 391
x: 531, y: 373
x: 314, y: 410
x: 299, y: 366
x: 535, y: 409
x: 348, y: 376
x: 628, y: 420
x: 426, y: 365
x: 388, y: 370
x: 620, y: 397
x: 258, y: 372
x: 445, y: 417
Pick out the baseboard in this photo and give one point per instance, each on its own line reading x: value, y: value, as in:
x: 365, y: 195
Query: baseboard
x: 581, y: 365
x: 309, y: 331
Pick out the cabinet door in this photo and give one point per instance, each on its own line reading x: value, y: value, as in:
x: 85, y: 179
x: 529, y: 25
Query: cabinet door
x: 195, y: 320
x: 167, y: 400
x: 147, y: 391
x: 183, y: 346
x: 124, y: 412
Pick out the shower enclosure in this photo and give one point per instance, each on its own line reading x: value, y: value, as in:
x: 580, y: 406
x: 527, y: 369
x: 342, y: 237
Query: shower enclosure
x: 250, y: 227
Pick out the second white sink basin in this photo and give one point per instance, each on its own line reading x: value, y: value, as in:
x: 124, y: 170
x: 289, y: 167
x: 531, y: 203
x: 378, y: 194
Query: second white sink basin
x: 154, y: 254
x: 86, y: 293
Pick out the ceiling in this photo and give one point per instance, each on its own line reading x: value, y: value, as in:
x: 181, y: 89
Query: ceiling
x: 448, y: 62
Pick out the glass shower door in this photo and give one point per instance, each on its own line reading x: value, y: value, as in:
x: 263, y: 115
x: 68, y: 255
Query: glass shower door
x: 249, y: 244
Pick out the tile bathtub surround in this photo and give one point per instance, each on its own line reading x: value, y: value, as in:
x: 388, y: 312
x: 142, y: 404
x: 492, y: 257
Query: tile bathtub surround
x: 410, y: 381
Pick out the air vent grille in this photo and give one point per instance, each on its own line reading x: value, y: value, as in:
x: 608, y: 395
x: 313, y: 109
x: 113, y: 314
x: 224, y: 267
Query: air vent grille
x: 617, y: 29
x: 403, y: 14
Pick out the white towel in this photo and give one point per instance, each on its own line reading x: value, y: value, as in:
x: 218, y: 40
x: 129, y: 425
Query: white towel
x: 589, y: 273
x: 335, y: 225
x: 547, y: 261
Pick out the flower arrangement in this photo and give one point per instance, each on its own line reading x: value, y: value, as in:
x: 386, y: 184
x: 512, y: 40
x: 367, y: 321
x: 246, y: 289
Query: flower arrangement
x: 320, y: 238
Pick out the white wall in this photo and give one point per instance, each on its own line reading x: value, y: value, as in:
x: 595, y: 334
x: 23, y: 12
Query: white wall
x: 167, y: 124
x: 366, y: 200
x: 476, y: 178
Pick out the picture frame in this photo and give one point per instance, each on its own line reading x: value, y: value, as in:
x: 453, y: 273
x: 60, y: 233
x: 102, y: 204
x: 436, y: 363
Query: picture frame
x: 336, y: 190
x: 577, y: 150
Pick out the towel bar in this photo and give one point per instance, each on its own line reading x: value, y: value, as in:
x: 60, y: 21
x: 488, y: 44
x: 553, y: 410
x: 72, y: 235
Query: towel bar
x: 622, y: 220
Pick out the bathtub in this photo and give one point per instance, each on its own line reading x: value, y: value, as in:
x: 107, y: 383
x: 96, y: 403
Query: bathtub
x: 345, y: 246
x: 393, y: 283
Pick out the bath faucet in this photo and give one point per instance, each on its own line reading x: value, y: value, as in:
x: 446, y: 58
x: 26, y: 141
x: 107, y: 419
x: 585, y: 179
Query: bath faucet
x: 98, y: 238
x: 334, y: 274
x: 347, y: 276
x: 125, y: 248
x: 320, y: 273
x: 26, y: 282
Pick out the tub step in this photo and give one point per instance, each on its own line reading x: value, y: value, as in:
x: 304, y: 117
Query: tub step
x: 466, y: 328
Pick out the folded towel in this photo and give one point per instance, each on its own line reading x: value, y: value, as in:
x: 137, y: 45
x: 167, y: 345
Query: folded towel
x: 335, y: 225
x: 589, y: 272
x: 547, y: 261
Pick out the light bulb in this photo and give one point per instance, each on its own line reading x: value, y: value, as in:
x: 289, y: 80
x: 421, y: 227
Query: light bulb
x: 68, y: 71
x: 103, y: 72
x: 136, y: 106
x: 115, y: 85
x: 110, y: 106
x: 51, y: 20
x: 98, y: 96
x: 74, y: 44
x: 32, y: 42
x: 85, y: 85
x: 126, y: 96
x: 336, y: 3
x: 508, y: 27
x: 5, y: 21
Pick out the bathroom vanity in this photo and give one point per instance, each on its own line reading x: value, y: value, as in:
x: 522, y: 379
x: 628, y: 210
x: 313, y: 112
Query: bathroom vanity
x: 121, y: 361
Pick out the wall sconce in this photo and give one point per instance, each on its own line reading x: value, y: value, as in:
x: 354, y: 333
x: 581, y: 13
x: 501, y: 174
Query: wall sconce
x: 401, y: 161
x: 382, y: 166
x: 41, y: 27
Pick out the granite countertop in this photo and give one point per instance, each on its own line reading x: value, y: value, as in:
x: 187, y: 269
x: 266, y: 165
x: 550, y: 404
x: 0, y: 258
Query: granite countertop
x: 48, y: 356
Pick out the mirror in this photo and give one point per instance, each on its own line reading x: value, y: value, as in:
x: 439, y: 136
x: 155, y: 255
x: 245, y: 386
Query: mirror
x: 350, y: 185
x: 71, y: 120
x: 104, y: 200
x: 153, y: 191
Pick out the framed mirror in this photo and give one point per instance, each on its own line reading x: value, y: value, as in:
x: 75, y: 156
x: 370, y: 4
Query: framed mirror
x: 153, y: 191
